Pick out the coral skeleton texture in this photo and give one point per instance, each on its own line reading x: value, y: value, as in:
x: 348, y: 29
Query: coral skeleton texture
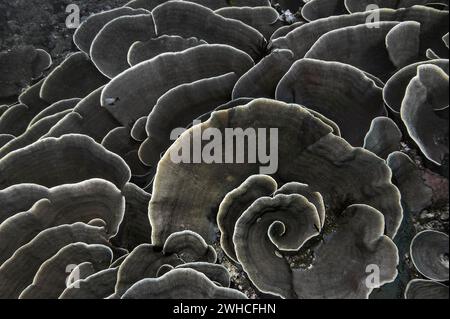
x: 224, y: 149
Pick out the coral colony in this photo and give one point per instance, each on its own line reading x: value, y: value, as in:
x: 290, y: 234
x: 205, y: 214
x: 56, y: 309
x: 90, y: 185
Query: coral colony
x: 229, y: 149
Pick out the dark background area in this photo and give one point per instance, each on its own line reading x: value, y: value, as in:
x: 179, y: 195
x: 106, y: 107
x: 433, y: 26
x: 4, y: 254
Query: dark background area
x: 42, y: 23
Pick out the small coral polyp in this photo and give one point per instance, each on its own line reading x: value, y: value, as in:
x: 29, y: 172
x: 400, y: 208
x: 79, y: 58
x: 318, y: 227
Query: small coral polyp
x: 94, y: 206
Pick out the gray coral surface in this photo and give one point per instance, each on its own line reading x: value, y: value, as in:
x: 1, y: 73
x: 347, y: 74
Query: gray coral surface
x: 216, y: 149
